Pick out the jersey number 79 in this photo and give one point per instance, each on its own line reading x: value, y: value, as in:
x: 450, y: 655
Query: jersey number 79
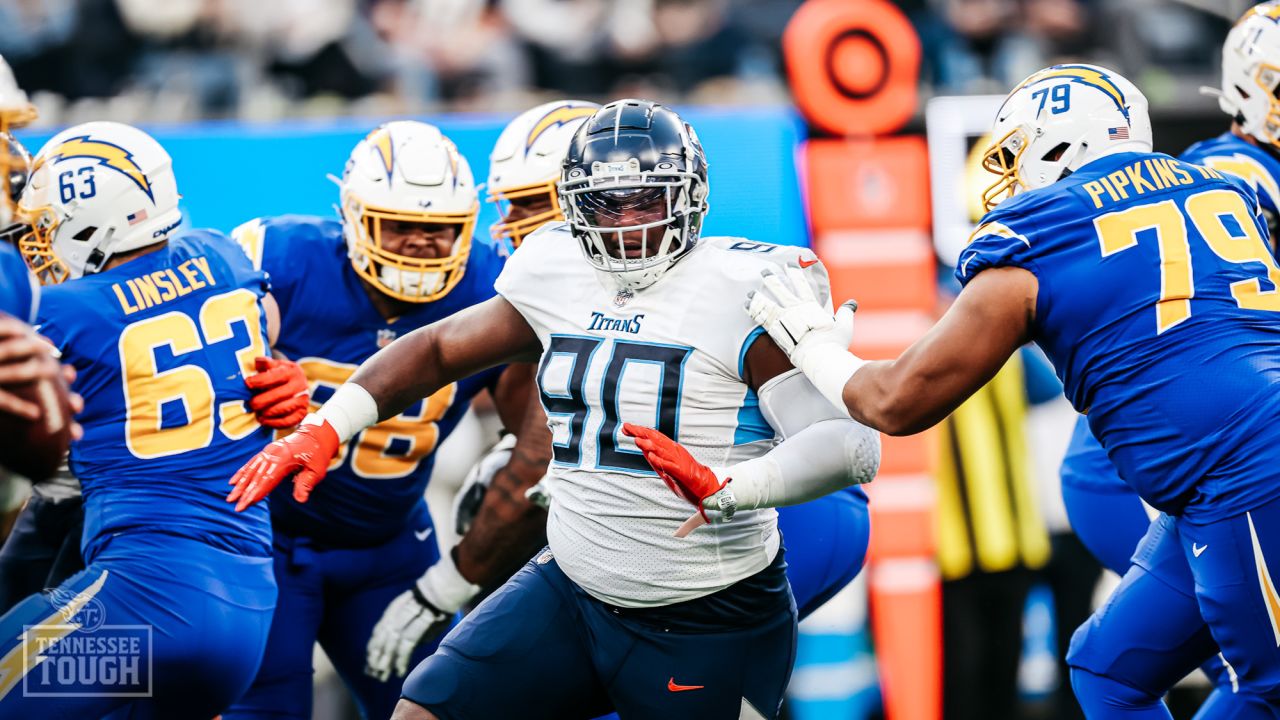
x: 1223, y: 222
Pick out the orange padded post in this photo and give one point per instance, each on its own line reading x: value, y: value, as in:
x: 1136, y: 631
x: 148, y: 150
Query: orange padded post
x: 854, y: 69
x: 868, y: 183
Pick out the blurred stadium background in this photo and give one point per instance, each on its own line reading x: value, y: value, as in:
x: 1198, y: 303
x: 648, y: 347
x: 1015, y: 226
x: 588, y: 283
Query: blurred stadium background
x: 842, y: 124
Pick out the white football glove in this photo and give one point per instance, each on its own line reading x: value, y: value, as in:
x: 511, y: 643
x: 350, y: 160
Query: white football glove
x: 816, y: 342
x: 466, y: 504
x: 418, y: 615
x: 793, y: 314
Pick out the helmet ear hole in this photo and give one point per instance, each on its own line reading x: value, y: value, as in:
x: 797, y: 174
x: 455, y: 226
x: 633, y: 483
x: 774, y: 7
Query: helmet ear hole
x: 1243, y: 93
x: 84, y: 234
x: 1056, y: 152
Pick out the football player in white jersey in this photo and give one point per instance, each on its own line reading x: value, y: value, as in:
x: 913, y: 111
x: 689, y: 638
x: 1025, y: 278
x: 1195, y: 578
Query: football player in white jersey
x: 634, y: 319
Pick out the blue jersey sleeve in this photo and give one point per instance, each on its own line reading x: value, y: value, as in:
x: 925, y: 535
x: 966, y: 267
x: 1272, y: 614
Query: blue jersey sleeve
x: 1003, y: 239
x: 226, y: 254
x: 1233, y: 155
x: 286, y: 247
x: 19, y: 293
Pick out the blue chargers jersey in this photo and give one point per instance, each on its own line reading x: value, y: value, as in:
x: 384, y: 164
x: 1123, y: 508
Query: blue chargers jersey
x: 1158, y: 304
x: 161, y: 346
x: 1086, y: 464
x: 19, y: 294
x: 330, y: 326
x: 1230, y: 153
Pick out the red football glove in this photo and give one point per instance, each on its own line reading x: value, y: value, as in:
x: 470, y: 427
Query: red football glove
x: 280, y: 394
x: 307, y: 452
x: 686, y: 477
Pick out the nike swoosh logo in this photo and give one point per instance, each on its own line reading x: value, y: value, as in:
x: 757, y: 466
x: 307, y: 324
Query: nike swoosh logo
x: 1197, y: 549
x: 673, y: 687
x: 422, y: 534
x: 806, y: 263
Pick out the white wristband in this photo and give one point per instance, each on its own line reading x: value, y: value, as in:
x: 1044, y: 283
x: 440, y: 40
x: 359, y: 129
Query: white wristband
x: 829, y: 367
x: 443, y: 586
x: 350, y: 410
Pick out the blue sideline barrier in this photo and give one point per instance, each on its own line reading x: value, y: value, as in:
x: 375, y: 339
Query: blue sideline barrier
x: 230, y: 172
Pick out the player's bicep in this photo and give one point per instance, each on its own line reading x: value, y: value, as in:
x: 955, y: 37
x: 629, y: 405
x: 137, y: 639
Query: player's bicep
x: 463, y: 344
x: 989, y: 321
x: 764, y: 362
x: 483, y: 336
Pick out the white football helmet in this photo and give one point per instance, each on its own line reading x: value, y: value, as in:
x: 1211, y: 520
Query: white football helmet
x: 15, y: 162
x: 15, y: 109
x: 1251, y: 73
x: 407, y: 171
x: 526, y: 162
x: 96, y: 190
x: 1059, y: 119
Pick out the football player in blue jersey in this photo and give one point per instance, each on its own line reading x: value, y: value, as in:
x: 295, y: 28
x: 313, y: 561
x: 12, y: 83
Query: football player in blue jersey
x: 1107, y: 514
x: 43, y: 548
x: 170, y: 617
x: 401, y: 257
x: 1150, y: 284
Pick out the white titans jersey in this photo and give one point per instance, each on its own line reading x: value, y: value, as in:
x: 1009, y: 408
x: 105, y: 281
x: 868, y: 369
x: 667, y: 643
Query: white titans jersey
x: 671, y: 357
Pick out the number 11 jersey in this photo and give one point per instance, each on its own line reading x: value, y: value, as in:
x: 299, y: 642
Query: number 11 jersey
x: 1159, y: 305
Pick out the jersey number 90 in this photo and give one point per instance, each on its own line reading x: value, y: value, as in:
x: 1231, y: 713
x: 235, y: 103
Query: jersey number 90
x: 573, y: 404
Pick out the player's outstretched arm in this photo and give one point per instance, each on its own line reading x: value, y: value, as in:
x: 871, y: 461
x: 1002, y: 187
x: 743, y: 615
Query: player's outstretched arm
x: 990, y: 320
x: 405, y: 371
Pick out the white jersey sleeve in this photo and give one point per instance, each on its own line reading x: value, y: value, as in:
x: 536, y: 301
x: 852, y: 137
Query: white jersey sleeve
x: 670, y: 356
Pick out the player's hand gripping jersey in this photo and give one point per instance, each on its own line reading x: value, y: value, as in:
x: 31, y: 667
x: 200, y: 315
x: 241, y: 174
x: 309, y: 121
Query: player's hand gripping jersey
x: 661, y: 358
x: 329, y: 326
x: 161, y: 346
x: 1136, y: 254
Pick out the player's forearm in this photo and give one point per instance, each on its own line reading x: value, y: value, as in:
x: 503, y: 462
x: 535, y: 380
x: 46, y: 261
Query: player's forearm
x: 509, y: 528
x: 893, y: 399
x: 821, y: 459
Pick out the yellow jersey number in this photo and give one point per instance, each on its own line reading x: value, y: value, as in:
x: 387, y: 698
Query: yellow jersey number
x: 1118, y: 231
x: 372, y: 459
x: 146, y: 388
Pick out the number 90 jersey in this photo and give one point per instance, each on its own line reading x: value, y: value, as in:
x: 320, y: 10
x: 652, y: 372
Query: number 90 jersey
x: 670, y: 357
x: 161, y: 346
x: 1158, y: 304
x: 329, y: 326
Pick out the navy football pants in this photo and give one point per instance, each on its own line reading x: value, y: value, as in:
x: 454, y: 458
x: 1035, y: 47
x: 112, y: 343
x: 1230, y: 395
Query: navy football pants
x: 541, y: 647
